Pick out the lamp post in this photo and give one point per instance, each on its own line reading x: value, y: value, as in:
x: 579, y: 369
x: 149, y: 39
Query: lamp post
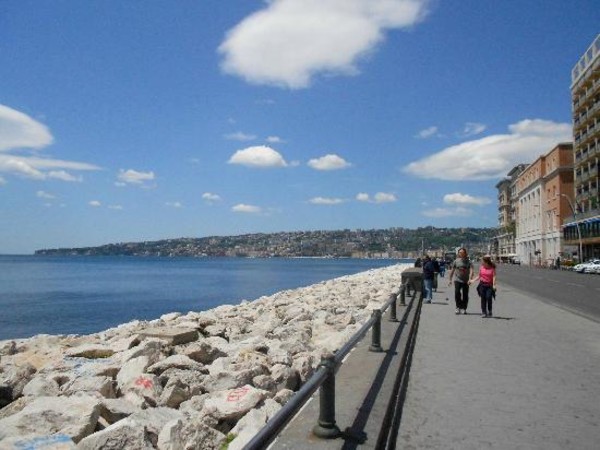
x: 577, y: 225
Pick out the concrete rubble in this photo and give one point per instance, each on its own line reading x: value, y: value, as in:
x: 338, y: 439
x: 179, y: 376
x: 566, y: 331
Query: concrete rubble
x: 197, y: 380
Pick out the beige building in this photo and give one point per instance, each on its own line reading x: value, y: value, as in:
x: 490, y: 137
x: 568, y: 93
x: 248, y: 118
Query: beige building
x: 584, y: 227
x: 544, y: 190
x: 503, y: 245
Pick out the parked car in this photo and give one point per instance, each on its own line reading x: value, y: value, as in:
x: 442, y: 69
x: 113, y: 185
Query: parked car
x: 592, y: 267
x: 580, y: 268
x: 515, y: 260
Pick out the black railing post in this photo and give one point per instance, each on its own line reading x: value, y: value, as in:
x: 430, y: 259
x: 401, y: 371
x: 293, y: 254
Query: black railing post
x: 326, y: 427
x: 403, y: 294
x: 376, y: 333
x: 393, y: 317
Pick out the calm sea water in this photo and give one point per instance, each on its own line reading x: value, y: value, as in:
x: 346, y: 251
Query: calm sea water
x: 80, y: 295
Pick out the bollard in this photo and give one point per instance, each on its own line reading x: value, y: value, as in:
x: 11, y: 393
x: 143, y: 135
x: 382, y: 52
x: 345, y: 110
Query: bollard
x: 326, y: 427
x: 403, y: 294
x: 376, y: 333
x: 393, y: 317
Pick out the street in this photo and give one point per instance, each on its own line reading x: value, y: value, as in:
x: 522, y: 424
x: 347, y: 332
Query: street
x: 576, y: 292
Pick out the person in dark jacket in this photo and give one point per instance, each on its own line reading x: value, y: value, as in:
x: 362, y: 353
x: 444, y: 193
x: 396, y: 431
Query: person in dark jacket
x: 428, y: 276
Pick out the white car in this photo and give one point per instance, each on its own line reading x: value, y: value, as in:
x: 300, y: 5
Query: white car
x: 592, y: 267
x: 581, y: 268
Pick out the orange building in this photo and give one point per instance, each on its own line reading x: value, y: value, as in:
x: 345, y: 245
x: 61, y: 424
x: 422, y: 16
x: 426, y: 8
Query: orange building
x: 544, y: 190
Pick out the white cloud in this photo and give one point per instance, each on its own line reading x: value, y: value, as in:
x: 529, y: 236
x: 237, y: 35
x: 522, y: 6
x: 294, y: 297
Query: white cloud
x: 290, y: 41
x: 95, y: 203
x: 2, y: 181
x: 174, y: 204
x: 275, y: 140
x: 239, y: 136
x: 131, y: 176
x: 473, y: 128
x: 64, y: 176
x: 116, y: 207
x: 384, y: 197
x: 459, y: 211
x: 363, y: 197
x: 210, y: 198
x: 465, y: 199
x: 250, y: 209
x: 329, y: 162
x: 18, y: 132
x: 326, y: 201
x: 427, y: 133
x: 259, y: 156
x: 379, y: 197
x: 43, y: 194
x: 493, y: 156
x: 37, y: 168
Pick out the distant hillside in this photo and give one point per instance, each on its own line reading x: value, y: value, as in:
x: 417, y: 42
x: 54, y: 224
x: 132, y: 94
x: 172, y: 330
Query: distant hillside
x: 392, y: 242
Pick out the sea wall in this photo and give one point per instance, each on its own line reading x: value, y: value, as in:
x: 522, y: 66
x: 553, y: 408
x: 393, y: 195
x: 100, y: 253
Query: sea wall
x: 197, y: 380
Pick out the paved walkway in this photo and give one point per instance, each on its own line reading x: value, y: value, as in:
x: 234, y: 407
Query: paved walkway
x: 529, y: 378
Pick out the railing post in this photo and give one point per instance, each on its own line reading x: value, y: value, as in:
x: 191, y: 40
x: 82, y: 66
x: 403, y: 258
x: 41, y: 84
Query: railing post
x: 403, y: 294
x: 326, y: 427
x: 393, y: 317
x: 376, y: 333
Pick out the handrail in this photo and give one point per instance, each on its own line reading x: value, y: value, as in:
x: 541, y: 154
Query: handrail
x: 328, y: 366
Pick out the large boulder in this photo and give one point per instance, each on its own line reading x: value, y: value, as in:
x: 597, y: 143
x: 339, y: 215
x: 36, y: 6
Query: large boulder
x: 190, y: 434
x: 234, y: 403
x: 124, y: 434
x: 13, y: 379
x: 74, y: 416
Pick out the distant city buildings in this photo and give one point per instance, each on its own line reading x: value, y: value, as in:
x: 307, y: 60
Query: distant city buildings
x: 551, y: 208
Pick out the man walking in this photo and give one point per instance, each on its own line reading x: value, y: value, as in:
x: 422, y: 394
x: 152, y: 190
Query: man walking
x: 463, y: 267
x: 428, y: 275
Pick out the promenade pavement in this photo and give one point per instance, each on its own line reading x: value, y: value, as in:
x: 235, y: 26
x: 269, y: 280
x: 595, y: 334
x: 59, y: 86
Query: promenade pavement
x: 528, y: 378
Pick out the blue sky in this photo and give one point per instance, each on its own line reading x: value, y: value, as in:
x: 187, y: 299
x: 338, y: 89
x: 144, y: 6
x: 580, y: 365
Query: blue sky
x: 137, y: 120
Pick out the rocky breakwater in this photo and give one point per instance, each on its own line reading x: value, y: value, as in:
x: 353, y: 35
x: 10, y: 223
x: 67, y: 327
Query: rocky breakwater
x: 203, y: 380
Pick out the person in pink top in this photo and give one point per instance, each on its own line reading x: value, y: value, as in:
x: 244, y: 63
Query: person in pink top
x: 487, y: 285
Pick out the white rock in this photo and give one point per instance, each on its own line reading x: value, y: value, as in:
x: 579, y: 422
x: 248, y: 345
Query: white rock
x: 102, y: 385
x: 170, y: 316
x: 74, y: 416
x: 42, y: 386
x: 234, y: 403
x: 176, y: 362
x: 125, y: 434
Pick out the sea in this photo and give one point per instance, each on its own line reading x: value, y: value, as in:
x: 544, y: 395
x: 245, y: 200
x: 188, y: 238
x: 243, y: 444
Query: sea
x: 87, y: 294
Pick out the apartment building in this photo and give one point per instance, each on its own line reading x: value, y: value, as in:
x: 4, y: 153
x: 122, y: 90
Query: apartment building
x: 544, y: 191
x: 503, y: 245
x: 584, y: 227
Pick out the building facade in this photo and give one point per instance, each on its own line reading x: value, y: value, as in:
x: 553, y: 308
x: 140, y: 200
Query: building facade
x: 544, y: 190
x: 503, y: 246
x: 584, y: 227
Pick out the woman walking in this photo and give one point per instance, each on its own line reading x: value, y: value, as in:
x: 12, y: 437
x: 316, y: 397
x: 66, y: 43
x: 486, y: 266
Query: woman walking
x: 463, y: 267
x: 487, y: 285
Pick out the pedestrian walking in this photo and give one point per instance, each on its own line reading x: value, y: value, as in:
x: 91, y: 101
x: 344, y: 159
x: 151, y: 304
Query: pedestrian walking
x: 487, y: 285
x: 428, y: 276
x: 463, y: 268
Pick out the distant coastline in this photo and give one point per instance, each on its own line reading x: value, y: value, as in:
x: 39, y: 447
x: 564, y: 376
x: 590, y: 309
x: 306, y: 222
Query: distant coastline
x: 391, y: 243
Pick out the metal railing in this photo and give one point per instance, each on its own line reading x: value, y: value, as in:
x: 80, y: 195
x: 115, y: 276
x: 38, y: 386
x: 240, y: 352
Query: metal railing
x: 324, y: 377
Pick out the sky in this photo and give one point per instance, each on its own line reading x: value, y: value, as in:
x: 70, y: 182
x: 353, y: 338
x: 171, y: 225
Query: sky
x: 137, y: 120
